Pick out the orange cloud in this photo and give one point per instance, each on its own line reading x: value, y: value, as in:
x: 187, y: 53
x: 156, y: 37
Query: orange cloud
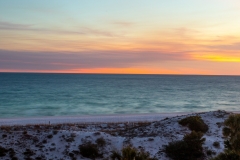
x: 126, y: 71
x: 219, y: 58
x: 98, y: 51
x: 177, y: 71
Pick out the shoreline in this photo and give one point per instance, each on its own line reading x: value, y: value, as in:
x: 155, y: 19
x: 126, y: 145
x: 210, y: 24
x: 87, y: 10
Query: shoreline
x: 94, y: 119
x: 147, y: 117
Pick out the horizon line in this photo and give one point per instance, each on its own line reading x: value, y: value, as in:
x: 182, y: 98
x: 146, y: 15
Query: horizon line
x: 125, y: 74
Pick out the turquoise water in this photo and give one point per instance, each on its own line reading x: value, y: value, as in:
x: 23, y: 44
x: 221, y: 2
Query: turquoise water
x: 30, y: 95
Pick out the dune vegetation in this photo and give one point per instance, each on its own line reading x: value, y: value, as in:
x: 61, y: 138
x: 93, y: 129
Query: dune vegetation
x: 199, y: 136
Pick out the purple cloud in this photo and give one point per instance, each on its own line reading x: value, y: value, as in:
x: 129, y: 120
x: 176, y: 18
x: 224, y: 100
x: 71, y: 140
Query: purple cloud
x: 80, y: 60
x: 234, y: 46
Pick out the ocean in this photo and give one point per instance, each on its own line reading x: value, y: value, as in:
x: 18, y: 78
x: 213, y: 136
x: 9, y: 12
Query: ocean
x: 38, y: 94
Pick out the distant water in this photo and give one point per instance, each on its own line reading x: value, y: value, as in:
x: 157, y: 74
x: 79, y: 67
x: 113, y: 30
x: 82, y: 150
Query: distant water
x: 29, y: 95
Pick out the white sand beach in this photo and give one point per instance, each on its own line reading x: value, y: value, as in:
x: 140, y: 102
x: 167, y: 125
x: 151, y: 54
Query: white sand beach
x: 90, y: 119
x: 36, y: 138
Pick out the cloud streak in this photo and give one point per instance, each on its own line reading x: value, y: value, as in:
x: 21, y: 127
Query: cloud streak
x: 30, y: 28
x: 13, y: 26
x: 229, y: 47
x: 75, y: 60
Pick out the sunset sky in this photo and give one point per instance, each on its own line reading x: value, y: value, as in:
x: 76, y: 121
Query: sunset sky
x: 120, y: 36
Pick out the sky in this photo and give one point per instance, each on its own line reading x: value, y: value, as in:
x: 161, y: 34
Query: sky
x: 120, y: 36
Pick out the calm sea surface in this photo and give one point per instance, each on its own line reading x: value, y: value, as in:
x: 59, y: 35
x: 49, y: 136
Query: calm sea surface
x: 29, y: 95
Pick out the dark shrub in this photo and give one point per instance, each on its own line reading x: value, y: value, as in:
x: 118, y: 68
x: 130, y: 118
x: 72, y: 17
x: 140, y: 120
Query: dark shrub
x: 14, y: 158
x: 69, y: 139
x: 44, y: 141
x: 210, y: 152
x: 11, y: 152
x: 142, y: 155
x: 177, y: 150
x: 71, y: 154
x: 190, y: 148
x: 131, y: 153
x: 195, y: 139
x: 226, y: 131
x: 195, y: 123
x: 101, y: 142
x: 115, y: 155
x: 75, y: 152
x: 216, y: 144
x: 3, y: 151
x: 4, y: 136
x: 49, y: 136
x: 28, y: 152
x: 232, y: 133
x: 24, y: 132
x: 89, y: 150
